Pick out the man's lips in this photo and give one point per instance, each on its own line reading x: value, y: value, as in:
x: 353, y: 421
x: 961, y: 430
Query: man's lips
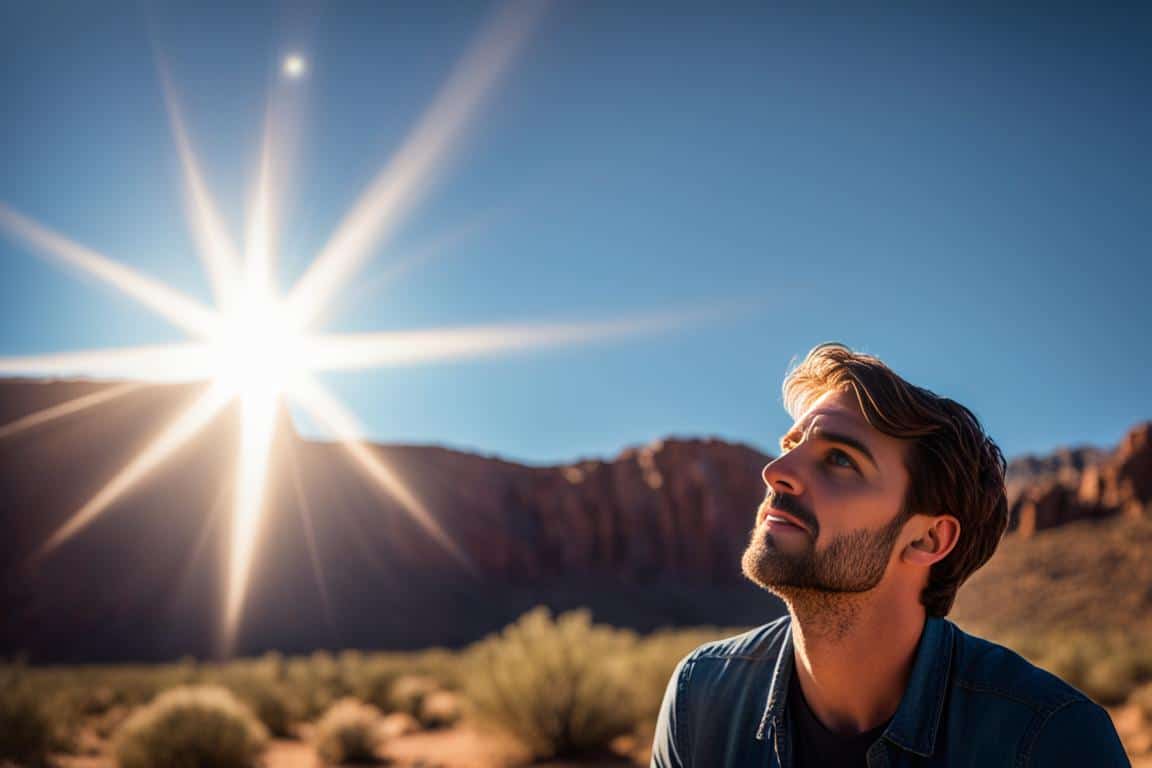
x: 780, y: 518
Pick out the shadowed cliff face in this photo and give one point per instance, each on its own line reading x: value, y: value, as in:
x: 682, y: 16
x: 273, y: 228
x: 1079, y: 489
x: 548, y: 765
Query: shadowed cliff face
x: 650, y: 538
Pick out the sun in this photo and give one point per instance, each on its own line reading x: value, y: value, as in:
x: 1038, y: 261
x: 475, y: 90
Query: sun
x: 259, y: 348
x: 259, y: 351
x: 294, y: 66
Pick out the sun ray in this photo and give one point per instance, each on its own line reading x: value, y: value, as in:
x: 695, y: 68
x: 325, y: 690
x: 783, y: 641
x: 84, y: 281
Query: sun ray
x: 161, y: 362
x: 66, y: 409
x: 280, y: 137
x: 306, y: 519
x: 217, y: 250
x: 326, y: 409
x: 258, y: 426
x: 258, y: 245
x: 421, y: 254
x: 172, y: 305
x: 407, y: 177
x: 189, y: 423
x: 406, y: 348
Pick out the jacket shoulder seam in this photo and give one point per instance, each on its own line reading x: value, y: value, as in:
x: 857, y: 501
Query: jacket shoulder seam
x: 1037, y: 707
x: 708, y: 655
x: 1028, y: 742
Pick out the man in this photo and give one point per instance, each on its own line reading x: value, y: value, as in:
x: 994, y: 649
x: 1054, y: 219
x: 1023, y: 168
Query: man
x: 884, y: 500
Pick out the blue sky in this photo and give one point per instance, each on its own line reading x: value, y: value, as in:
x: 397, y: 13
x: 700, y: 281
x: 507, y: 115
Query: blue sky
x: 963, y: 192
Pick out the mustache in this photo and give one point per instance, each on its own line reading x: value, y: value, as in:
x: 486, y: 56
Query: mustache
x: 785, y: 502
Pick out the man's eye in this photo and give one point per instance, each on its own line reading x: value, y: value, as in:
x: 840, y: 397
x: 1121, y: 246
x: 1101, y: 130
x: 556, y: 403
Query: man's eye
x: 840, y: 459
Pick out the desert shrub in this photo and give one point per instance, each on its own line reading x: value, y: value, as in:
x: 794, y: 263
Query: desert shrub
x: 106, y: 724
x: 27, y: 731
x: 314, y: 683
x: 271, y: 702
x: 441, y: 665
x: 408, y: 693
x: 440, y: 709
x: 349, y: 732
x: 560, y: 685
x: 191, y: 727
x: 374, y: 686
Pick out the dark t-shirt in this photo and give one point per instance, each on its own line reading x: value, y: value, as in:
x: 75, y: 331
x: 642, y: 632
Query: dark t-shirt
x: 817, y: 747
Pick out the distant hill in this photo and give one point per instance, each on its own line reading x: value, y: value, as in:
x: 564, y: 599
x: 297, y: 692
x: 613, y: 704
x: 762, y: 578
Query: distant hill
x: 649, y: 538
x: 1086, y: 575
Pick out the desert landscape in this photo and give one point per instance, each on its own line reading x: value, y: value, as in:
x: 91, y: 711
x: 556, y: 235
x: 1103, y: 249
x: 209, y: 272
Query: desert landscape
x: 566, y: 552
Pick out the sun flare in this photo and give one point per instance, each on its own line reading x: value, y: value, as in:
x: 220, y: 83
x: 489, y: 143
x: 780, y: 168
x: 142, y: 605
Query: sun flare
x: 259, y: 351
x: 257, y: 347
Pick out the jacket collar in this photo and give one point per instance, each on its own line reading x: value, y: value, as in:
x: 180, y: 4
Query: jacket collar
x: 917, y: 719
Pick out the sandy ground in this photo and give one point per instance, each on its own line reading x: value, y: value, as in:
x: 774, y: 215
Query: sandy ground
x: 461, y: 747
x: 467, y: 747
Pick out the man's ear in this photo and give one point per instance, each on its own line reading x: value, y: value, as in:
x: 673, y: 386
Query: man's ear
x: 935, y: 537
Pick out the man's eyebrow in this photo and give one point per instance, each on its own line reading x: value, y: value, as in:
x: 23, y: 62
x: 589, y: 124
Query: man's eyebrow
x: 835, y: 437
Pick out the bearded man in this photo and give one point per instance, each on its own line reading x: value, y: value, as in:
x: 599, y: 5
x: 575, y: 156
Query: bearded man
x: 884, y: 500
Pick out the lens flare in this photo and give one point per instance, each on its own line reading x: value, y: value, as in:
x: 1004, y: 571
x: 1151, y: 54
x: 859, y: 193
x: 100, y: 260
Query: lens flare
x: 255, y: 348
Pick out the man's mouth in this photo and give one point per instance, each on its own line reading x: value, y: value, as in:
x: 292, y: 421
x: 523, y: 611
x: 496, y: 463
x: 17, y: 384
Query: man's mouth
x: 780, y: 517
x: 782, y: 523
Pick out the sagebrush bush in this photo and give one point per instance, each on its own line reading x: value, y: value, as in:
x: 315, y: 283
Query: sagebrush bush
x: 560, y: 686
x: 408, y: 693
x: 349, y: 732
x: 27, y: 731
x: 191, y: 727
x: 271, y: 702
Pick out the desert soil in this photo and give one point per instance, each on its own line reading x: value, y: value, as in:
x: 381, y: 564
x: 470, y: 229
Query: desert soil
x: 461, y: 747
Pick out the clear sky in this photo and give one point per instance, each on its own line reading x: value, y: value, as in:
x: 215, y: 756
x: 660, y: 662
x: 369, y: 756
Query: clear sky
x: 964, y: 193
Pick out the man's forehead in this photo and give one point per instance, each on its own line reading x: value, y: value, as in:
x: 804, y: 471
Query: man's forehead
x: 838, y: 407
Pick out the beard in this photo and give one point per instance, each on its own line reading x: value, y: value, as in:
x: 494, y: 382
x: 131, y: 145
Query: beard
x: 852, y: 562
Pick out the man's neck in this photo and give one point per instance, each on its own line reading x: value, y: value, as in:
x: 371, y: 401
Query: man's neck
x: 854, y: 655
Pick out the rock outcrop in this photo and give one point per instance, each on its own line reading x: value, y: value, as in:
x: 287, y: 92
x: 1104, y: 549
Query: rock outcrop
x: 1083, y: 484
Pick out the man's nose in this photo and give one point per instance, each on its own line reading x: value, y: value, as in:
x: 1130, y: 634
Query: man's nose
x: 779, y: 475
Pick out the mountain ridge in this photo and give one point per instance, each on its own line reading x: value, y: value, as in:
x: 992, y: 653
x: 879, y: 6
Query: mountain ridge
x: 648, y: 538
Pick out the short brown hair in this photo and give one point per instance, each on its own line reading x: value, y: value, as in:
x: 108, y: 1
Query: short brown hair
x: 954, y: 468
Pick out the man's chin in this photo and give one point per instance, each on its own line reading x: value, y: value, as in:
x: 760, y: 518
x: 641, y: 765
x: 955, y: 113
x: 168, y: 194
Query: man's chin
x: 768, y: 570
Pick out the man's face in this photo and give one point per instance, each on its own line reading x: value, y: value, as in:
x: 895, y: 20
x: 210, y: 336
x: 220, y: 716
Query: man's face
x: 843, y: 482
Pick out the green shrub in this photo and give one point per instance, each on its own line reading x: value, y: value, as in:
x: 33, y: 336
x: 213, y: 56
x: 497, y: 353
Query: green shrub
x: 372, y: 684
x: 27, y: 732
x: 408, y: 693
x: 560, y: 686
x: 349, y: 732
x: 191, y: 727
x: 271, y: 703
x: 440, y: 709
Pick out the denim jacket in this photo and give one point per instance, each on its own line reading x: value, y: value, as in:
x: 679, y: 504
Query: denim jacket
x: 969, y: 702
